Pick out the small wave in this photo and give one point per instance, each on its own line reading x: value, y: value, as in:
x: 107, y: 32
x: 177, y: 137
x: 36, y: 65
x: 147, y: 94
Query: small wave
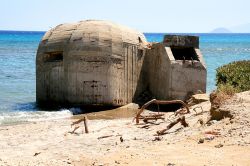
x: 43, y: 116
x: 219, y: 49
x: 18, y: 117
x: 75, y: 111
x: 247, y: 49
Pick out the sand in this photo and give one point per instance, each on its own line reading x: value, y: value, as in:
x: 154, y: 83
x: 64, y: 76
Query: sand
x: 51, y: 143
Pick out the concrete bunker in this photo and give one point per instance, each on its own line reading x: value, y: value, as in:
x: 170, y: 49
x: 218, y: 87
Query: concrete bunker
x: 176, y: 68
x: 99, y: 63
x: 91, y: 62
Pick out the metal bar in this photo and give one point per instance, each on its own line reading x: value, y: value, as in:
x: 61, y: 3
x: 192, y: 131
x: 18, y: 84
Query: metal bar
x: 154, y: 101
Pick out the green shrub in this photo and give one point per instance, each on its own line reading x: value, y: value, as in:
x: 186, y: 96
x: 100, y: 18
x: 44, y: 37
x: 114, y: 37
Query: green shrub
x: 234, y: 75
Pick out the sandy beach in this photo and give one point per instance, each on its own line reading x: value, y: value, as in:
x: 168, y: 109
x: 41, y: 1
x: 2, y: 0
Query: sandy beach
x: 122, y: 142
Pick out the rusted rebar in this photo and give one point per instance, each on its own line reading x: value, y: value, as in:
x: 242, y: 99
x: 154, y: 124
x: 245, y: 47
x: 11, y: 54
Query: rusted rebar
x: 152, y: 117
x: 181, y: 120
x: 154, y: 101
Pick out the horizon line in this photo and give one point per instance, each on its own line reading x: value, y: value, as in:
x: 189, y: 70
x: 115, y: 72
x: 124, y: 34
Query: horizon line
x: 4, y: 30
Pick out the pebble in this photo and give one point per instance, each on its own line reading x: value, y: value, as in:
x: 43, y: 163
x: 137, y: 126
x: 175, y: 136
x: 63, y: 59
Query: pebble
x: 209, y: 137
x: 121, y: 139
x: 211, y: 122
x: 201, y: 140
x: 218, y: 146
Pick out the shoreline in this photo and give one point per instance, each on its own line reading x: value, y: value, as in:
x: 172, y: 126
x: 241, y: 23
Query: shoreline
x: 126, y: 111
x: 122, y: 142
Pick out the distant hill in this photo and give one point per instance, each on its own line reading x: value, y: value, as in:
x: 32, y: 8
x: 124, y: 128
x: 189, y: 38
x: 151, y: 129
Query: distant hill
x: 221, y: 30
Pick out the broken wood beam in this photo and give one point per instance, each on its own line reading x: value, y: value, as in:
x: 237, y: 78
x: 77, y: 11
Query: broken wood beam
x: 85, y: 125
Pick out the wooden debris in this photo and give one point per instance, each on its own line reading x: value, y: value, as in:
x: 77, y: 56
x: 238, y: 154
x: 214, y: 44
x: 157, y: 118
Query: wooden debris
x: 157, y: 139
x: 3, y: 129
x: 37, y: 153
x: 105, y: 136
x: 154, y: 101
x: 181, y: 120
x: 85, y: 125
x: 77, y: 122
x: 145, y: 127
x: 73, y: 131
x: 212, y: 132
x: 84, y: 119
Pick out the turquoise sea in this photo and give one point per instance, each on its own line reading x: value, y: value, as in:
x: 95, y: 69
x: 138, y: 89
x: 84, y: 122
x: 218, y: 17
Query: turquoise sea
x: 17, y: 70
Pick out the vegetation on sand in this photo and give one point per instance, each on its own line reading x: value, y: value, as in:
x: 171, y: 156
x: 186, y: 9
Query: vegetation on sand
x: 234, y: 77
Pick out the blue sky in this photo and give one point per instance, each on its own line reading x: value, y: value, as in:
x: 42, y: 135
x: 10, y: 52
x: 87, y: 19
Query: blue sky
x: 144, y: 15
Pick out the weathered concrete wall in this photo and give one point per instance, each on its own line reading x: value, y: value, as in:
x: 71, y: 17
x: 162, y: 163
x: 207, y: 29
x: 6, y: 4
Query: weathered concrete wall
x: 100, y: 64
x: 186, y: 79
x: 170, y: 78
x: 181, y: 41
x: 156, y: 71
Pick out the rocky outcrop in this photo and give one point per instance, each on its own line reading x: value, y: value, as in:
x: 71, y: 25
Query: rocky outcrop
x: 228, y: 107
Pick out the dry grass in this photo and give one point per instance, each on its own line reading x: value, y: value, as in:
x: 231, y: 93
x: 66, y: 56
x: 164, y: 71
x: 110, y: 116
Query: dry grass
x: 223, y: 93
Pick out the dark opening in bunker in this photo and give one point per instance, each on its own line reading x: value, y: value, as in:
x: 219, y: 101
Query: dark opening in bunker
x: 53, y: 57
x: 140, y: 53
x: 181, y: 53
x: 165, y: 108
x: 140, y: 41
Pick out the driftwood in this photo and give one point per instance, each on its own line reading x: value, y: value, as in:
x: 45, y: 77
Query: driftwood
x: 154, y: 101
x: 181, y: 120
x: 105, y: 136
x: 84, y: 119
x: 72, y: 132
x: 85, y: 125
x: 37, y: 153
x: 77, y: 122
x: 145, y: 127
x: 212, y: 132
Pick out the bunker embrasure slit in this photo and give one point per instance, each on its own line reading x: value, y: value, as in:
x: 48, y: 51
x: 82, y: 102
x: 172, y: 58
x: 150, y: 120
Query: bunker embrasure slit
x: 183, y: 53
x: 54, y: 57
